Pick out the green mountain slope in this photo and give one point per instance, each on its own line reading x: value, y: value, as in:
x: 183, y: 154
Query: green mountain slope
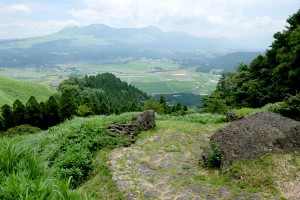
x: 10, y: 90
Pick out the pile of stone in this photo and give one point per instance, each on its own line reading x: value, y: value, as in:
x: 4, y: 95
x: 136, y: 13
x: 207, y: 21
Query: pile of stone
x: 140, y: 122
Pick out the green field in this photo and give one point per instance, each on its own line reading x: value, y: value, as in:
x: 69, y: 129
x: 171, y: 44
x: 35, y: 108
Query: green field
x: 10, y: 90
x: 151, y: 76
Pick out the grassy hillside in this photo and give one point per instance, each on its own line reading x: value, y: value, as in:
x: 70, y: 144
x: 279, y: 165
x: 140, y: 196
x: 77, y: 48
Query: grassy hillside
x: 10, y: 90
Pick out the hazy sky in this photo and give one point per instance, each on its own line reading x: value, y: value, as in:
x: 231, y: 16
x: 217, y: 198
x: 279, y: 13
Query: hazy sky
x: 252, y: 22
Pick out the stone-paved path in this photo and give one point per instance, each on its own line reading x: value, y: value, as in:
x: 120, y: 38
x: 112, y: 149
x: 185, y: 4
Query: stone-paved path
x: 165, y: 166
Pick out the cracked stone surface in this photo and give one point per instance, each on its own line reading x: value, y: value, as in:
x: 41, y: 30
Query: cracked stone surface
x: 164, y: 166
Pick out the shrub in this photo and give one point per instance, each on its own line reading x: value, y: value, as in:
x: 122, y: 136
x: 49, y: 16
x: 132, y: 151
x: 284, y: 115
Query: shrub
x: 273, y: 107
x: 214, y: 104
x: 76, y: 143
x: 22, y: 130
x: 212, y: 156
x: 291, y: 107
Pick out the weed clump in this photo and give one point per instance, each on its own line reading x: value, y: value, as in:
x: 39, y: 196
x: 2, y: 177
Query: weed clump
x: 212, y: 156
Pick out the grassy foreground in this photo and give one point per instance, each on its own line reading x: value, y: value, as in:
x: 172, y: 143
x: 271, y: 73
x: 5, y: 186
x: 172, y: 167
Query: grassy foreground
x: 39, y: 166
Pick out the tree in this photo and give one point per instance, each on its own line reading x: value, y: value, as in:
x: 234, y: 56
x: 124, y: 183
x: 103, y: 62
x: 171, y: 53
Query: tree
x: 18, y: 113
x: 52, y: 116
x: 67, y: 105
x: 269, y: 78
x: 291, y: 107
x: 84, y: 110
x: 185, y: 108
x: 214, y: 104
x: 43, y: 109
x: 164, y: 104
x: 104, y: 109
x: 7, y: 116
x: 153, y: 105
x: 178, y: 107
x: 33, y: 115
x: 1, y: 124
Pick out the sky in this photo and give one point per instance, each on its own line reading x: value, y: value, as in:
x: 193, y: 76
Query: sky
x: 248, y: 22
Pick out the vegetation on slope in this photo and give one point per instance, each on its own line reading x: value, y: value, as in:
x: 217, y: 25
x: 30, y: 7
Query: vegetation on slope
x: 10, y: 90
x: 47, y: 163
x: 268, y: 79
x: 105, y: 89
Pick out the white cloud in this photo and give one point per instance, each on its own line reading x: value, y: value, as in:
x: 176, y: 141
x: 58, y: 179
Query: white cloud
x: 28, y: 28
x: 204, y: 18
x: 15, y: 8
x: 215, y: 18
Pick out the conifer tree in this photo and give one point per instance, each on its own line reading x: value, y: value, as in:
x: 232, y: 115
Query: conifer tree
x: 67, y: 105
x: 52, y: 116
x: 7, y: 116
x: 1, y: 124
x: 33, y: 115
x: 43, y: 110
x: 164, y: 104
x: 185, y: 108
x: 18, y: 113
x: 178, y: 107
x: 104, y: 109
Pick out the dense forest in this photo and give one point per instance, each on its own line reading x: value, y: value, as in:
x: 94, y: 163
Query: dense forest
x: 94, y: 95
x: 274, y: 77
x: 102, y: 94
x: 105, y: 89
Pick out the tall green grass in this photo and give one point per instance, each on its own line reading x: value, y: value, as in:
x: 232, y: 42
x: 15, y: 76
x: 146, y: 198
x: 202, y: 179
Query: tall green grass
x: 24, y: 175
x: 47, y: 164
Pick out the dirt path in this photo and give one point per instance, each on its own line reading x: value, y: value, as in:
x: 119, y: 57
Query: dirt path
x: 165, y: 166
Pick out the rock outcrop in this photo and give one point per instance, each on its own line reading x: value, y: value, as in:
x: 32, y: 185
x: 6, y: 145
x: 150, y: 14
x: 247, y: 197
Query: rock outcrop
x: 140, y: 122
x: 255, y: 135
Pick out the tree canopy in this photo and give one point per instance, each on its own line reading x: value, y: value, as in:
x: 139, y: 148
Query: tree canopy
x: 268, y: 79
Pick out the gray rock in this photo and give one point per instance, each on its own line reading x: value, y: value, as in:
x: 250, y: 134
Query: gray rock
x: 144, y: 121
x: 140, y: 122
x: 255, y: 135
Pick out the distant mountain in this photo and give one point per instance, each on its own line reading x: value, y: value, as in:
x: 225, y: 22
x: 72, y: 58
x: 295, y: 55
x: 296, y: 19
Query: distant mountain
x: 11, y: 89
x: 228, y: 62
x: 98, y: 42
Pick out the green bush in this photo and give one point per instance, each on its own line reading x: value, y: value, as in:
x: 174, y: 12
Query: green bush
x: 291, y: 107
x: 214, y: 104
x: 76, y: 143
x: 273, y: 107
x: 22, y: 130
x: 213, y: 156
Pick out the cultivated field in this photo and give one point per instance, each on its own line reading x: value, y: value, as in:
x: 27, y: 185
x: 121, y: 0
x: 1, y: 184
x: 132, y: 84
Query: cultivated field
x: 151, y: 76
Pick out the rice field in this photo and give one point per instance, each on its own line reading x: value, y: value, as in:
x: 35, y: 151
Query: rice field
x: 151, y: 76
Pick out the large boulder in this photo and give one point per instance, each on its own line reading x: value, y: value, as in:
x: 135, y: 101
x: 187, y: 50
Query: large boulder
x: 255, y: 135
x: 144, y: 121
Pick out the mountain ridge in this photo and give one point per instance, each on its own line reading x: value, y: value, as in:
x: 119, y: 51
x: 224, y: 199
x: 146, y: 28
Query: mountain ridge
x: 98, y: 42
